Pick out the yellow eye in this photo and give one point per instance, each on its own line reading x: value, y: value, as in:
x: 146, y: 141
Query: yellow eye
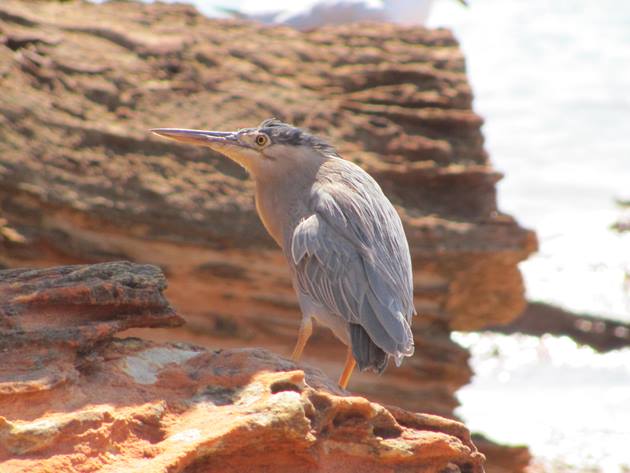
x: 261, y: 140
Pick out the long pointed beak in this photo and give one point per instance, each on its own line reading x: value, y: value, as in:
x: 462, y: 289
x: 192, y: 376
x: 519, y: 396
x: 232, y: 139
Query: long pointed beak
x: 197, y: 137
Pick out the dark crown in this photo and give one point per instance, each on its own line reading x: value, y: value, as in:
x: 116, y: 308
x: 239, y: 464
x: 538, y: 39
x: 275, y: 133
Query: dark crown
x: 286, y: 134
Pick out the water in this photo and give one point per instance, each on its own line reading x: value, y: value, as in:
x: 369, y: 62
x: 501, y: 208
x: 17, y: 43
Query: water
x: 567, y: 403
x: 552, y: 80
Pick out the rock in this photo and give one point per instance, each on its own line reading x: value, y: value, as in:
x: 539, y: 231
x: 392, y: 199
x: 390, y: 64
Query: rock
x: 506, y: 459
x: 82, y: 181
x: 623, y: 224
x: 17, y: 41
x: 139, y: 406
x: 598, y: 332
x: 121, y: 295
x: 47, y: 316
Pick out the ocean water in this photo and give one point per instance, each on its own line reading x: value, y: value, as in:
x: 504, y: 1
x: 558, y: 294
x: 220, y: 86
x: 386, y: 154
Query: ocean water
x: 569, y: 404
x: 552, y: 80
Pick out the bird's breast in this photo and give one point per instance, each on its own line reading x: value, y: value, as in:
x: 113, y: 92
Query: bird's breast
x: 280, y: 210
x: 269, y: 220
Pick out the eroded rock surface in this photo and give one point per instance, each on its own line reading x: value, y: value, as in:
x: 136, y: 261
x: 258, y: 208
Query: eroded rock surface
x: 139, y: 406
x: 81, y: 179
x: 51, y: 319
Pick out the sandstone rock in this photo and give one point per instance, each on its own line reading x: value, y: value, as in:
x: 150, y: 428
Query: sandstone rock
x: 138, y: 406
x: 81, y: 179
x: 506, y: 459
x: 72, y: 308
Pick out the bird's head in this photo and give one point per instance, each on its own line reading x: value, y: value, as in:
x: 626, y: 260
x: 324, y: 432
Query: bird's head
x: 269, y: 147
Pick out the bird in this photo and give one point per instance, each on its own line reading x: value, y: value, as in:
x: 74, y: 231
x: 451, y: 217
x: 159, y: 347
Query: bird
x: 342, y: 238
x: 337, y: 12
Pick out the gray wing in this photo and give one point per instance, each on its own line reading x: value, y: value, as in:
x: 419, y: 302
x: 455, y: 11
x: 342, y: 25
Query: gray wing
x: 352, y: 257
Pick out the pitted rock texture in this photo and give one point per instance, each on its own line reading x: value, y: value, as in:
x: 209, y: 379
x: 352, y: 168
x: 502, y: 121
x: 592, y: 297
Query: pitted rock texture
x: 81, y: 179
x: 121, y: 295
x: 138, y: 406
x: 51, y: 319
x: 217, y: 411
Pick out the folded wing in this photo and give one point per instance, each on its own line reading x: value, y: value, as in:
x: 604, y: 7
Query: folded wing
x: 351, y: 256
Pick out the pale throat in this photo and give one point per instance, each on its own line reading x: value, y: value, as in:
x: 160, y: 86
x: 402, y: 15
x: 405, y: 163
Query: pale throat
x: 267, y: 207
x: 283, y: 198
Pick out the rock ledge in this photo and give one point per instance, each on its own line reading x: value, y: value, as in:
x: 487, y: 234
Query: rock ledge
x: 75, y: 398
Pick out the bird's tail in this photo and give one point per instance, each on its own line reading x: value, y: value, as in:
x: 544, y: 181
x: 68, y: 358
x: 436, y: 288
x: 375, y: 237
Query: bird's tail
x: 367, y: 354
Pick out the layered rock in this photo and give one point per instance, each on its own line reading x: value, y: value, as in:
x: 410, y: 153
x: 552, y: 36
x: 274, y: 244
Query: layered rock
x: 75, y: 398
x: 81, y: 179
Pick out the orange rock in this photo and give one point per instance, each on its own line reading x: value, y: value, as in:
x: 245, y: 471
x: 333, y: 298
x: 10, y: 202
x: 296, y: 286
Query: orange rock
x: 82, y: 181
x: 147, y: 407
x: 84, y: 401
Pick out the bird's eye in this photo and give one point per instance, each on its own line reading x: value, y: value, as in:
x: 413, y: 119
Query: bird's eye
x: 261, y: 140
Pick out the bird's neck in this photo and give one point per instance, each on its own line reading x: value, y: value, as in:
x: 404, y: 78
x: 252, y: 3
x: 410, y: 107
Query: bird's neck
x: 282, y: 200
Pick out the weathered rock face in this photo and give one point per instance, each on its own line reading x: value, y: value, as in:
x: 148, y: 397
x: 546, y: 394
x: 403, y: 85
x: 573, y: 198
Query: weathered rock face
x: 81, y: 179
x: 77, y: 399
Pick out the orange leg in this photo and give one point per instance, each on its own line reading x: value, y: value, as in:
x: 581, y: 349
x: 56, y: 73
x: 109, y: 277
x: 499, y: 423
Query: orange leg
x: 347, y: 370
x: 306, y: 329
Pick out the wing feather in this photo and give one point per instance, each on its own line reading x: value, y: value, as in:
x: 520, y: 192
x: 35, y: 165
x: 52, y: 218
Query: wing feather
x: 351, y: 256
